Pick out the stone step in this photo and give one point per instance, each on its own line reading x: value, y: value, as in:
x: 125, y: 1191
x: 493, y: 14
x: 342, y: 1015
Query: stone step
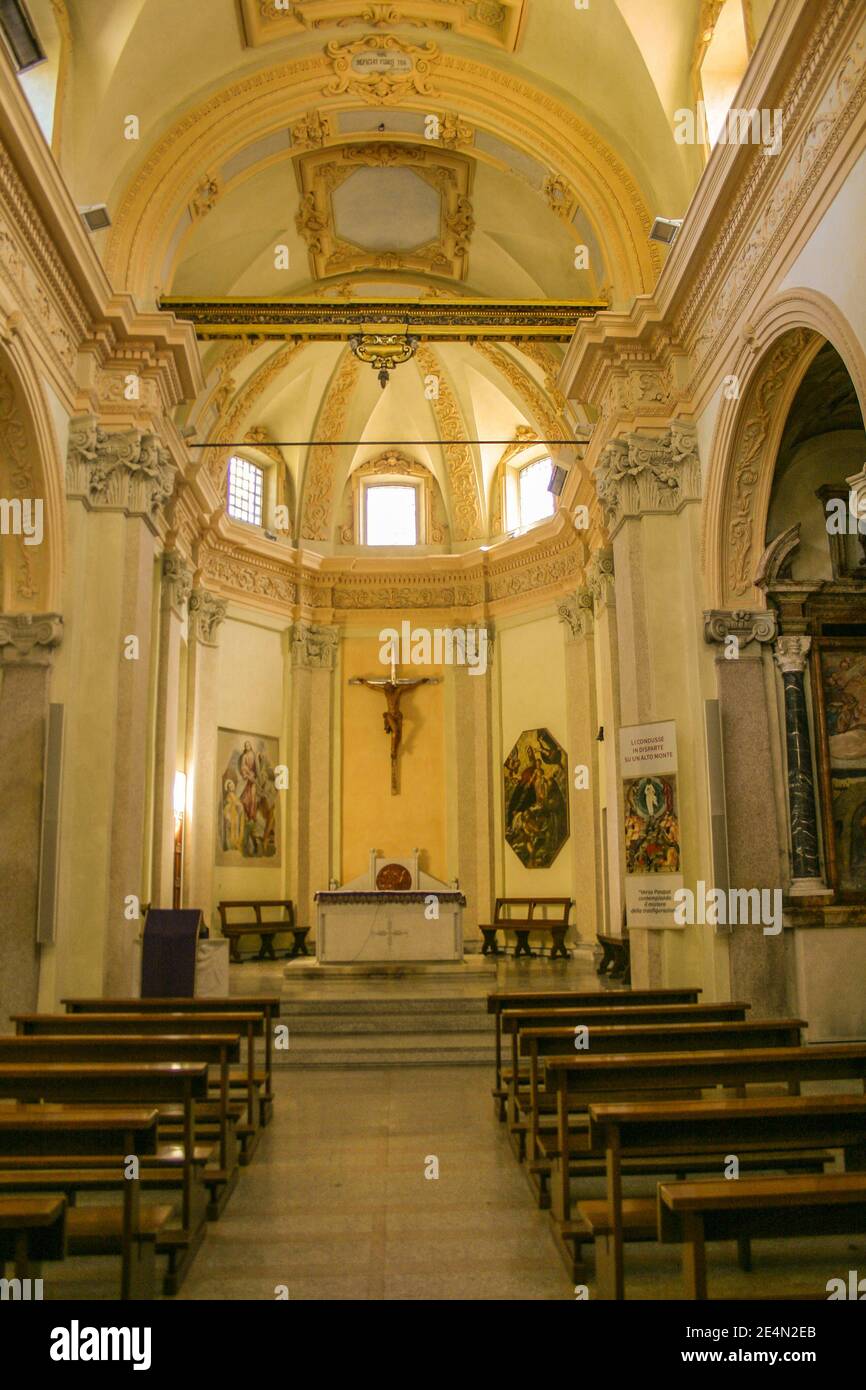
x: 322, y: 1025
x: 404, y: 1049
x: 406, y: 1006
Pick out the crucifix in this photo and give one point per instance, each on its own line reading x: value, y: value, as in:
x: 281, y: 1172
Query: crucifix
x: 393, y: 689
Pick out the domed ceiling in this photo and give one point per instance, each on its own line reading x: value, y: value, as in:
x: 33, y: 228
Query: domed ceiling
x: 422, y: 152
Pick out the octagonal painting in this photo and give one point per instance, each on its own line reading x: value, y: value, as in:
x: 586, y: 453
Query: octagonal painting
x: 536, y: 798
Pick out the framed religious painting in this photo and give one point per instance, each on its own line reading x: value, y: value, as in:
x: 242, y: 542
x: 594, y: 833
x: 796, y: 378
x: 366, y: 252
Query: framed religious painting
x: 839, y: 687
x: 535, y: 776
x: 248, y: 801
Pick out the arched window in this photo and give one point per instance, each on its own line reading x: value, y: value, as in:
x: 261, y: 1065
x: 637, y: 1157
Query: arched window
x: 245, y: 491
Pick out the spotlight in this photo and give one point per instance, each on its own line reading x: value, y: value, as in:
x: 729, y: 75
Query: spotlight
x: 665, y: 229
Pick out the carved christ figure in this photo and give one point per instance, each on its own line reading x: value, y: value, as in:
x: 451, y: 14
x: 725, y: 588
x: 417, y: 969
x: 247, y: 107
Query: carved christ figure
x: 392, y: 719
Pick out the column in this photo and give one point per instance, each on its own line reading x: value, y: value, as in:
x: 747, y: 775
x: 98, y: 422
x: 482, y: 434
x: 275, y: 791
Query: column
x: 791, y: 654
x: 649, y: 485
x: 27, y: 643
x: 314, y: 654
x: 175, y: 592
x: 476, y: 789
x: 756, y: 962
x: 576, y: 613
x: 206, y: 613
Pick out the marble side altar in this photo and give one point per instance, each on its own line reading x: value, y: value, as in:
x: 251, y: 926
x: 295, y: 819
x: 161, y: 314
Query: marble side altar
x: 394, y: 912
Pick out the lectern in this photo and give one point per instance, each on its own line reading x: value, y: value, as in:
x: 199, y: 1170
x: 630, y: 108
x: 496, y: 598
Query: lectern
x: 168, y: 952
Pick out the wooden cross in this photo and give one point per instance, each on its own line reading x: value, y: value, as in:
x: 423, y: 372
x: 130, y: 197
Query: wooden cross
x: 394, y: 689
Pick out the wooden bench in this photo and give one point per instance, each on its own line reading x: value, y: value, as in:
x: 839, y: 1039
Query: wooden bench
x: 525, y: 915
x: 257, y: 926
x: 578, y: 1083
x: 266, y: 1004
x: 512, y: 1021
x: 216, y: 1051
x: 182, y: 1084
x: 616, y: 957
x: 516, y: 999
x: 721, y: 1127
x: 691, y: 1213
x: 32, y: 1229
x: 252, y: 1082
x: 69, y: 1135
x: 624, y: 1039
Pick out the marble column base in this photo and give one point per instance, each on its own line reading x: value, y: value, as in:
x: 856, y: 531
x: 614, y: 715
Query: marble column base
x: 809, y: 888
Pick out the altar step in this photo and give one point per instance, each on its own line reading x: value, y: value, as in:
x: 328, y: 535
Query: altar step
x: 386, y: 1033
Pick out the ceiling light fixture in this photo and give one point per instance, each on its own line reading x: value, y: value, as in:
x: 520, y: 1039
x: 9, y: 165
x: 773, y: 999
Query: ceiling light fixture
x: 383, y: 351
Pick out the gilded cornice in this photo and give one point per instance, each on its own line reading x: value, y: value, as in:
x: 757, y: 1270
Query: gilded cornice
x: 495, y: 22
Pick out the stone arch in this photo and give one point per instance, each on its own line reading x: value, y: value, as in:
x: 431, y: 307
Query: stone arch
x: 775, y: 355
x: 31, y: 568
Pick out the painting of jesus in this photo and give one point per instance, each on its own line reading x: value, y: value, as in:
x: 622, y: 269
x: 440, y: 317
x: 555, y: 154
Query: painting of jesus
x: 247, y: 800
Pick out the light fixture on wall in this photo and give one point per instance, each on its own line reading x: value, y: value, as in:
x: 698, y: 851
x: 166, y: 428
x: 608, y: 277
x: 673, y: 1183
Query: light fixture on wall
x: 179, y: 798
x: 383, y: 351
x: 665, y: 229
x: 20, y: 34
x: 599, y: 738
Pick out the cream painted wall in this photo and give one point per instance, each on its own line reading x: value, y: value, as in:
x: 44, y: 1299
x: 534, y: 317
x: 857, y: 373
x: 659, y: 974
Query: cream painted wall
x: 834, y: 259
x: 251, y: 700
x: 370, y: 815
x: 530, y: 660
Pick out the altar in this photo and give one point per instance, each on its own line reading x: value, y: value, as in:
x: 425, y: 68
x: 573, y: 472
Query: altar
x: 394, y: 912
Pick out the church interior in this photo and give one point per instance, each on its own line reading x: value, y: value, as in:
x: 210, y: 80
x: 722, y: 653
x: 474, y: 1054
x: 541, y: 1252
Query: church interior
x: 432, y: 611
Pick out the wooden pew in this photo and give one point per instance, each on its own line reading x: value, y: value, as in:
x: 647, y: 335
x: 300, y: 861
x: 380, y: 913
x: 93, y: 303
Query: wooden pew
x: 250, y: 1024
x: 688, y: 1036
x: 568, y: 998
x: 258, y: 926
x: 691, y: 1213
x: 523, y: 915
x: 216, y: 1051
x: 121, y: 1083
x: 514, y: 1021
x: 715, y: 1126
x: 266, y: 1004
x: 70, y: 1135
x: 32, y: 1229
x: 578, y: 1083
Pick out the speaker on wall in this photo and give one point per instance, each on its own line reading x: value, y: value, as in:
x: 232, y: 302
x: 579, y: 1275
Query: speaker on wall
x: 49, y: 851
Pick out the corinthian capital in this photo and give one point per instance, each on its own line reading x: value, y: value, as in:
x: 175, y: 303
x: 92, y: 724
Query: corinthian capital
x: 206, y: 612
x: 176, y: 580
x: 124, y: 470
x: 313, y: 647
x: 642, y: 473
x: 792, y: 653
x: 29, y: 639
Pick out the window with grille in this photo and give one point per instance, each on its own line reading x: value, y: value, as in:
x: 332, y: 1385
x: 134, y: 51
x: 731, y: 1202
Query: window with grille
x: 245, y: 491
x: 391, y: 514
x: 534, y: 500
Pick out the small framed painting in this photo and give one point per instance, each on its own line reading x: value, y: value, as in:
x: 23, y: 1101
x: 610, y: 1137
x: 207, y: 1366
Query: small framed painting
x: 248, y: 803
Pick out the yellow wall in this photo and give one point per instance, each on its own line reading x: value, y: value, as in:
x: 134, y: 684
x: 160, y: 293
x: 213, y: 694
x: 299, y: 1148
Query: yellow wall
x: 371, y: 816
x: 531, y: 663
